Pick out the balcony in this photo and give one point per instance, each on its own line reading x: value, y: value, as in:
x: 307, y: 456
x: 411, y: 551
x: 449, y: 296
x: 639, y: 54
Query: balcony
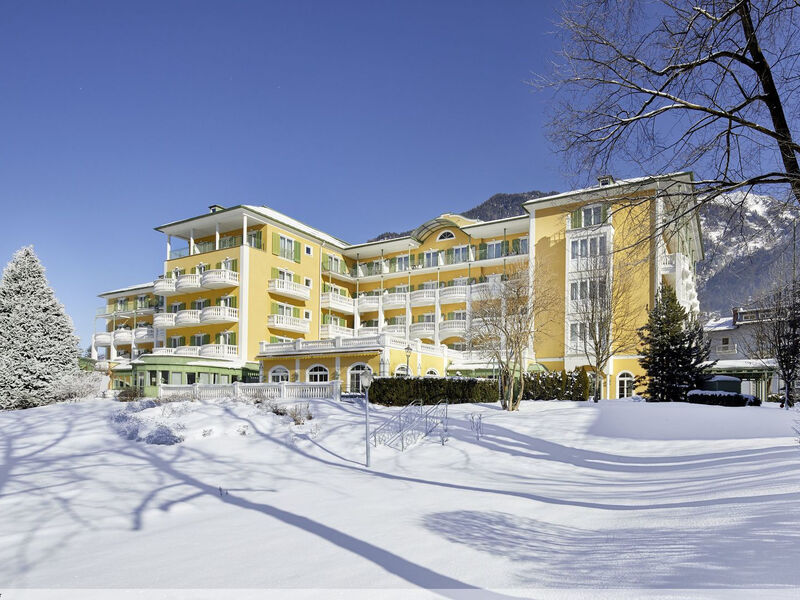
x: 396, y: 329
x: 164, y: 287
x: 455, y: 328
x: 187, y: 351
x: 163, y: 320
x: 289, y: 288
x: 219, y: 278
x: 368, y: 303
x: 102, y: 338
x: 123, y: 336
x: 456, y: 293
x: 104, y: 310
x: 187, y: 317
x: 143, y: 335
x: 421, y: 330
x: 163, y: 351
x: 423, y: 297
x: 188, y: 283
x: 395, y: 300
x: 332, y: 331
x: 219, y: 314
x: 219, y: 351
x: 338, y: 302
x: 367, y: 331
x: 726, y: 349
x: 288, y: 323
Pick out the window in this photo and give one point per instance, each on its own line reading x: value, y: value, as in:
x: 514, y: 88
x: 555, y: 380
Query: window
x: 432, y: 258
x: 461, y: 281
x: 200, y: 304
x: 151, y: 375
x: 403, y: 263
x: 141, y: 301
x: 229, y: 301
x: 401, y: 289
x: 726, y: 341
x: 430, y: 285
x: 334, y: 263
x: 224, y: 379
x: 354, y: 377
x: 427, y: 318
x: 176, y: 378
x: 307, y: 315
x: 592, y: 215
x: 523, y: 245
x: 284, y: 275
x: 278, y: 374
x: 309, y: 252
x: 577, y: 334
x: 458, y: 346
x: 431, y: 373
x: 286, y: 248
x: 587, y: 288
x: 401, y: 371
x: 461, y: 254
x: 174, y: 341
x: 625, y: 384
x: 308, y: 282
x: 459, y: 315
x: 591, y: 246
x: 446, y: 235
x: 284, y: 309
x: 205, y: 378
x: 494, y: 249
x: 317, y: 374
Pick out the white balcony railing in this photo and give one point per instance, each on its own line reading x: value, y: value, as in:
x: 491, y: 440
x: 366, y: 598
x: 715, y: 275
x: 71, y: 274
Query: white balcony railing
x: 456, y: 293
x: 189, y: 282
x: 331, y: 331
x: 726, y: 349
x: 164, y: 351
x: 367, y: 331
x: 337, y: 302
x: 421, y: 330
x: 422, y: 297
x: 289, y: 323
x: 143, y: 334
x: 164, y: 287
x: 123, y: 336
x: 452, y: 328
x: 102, y: 338
x: 163, y: 320
x: 187, y: 317
x: 289, y: 288
x: 397, y: 299
x: 219, y: 278
x: 368, y: 303
x: 187, y: 351
x: 219, y: 314
x: 219, y: 351
x: 397, y: 329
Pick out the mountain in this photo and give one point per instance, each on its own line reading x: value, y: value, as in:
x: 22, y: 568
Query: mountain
x: 745, y: 236
x: 498, y: 206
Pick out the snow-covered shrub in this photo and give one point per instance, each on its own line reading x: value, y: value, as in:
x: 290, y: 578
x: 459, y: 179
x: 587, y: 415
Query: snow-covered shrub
x: 300, y: 413
x: 399, y: 391
x: 720, y: 398
x: 38, y: 345
x: 126, y: 424
x: 78, y: 384
x: 243, y: 429
x: 161, y: 435
x: 130, y: 394
x: 140, y: 405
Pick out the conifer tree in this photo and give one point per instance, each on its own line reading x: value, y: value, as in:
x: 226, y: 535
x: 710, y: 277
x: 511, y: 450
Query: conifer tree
x: 673, y: 349
x: 37, y: 338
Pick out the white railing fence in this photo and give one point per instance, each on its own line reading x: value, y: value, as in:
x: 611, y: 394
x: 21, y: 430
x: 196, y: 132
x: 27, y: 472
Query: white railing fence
x: 330, y: 390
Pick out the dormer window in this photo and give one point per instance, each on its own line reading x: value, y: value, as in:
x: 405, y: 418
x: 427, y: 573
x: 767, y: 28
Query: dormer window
x: 446, y: 235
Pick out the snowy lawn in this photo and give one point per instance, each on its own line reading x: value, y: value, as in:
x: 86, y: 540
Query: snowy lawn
x: 613, y: 495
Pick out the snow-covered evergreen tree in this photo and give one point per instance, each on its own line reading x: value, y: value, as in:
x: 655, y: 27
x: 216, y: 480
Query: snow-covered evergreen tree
x: 673, y: 349
x: 37, y: 338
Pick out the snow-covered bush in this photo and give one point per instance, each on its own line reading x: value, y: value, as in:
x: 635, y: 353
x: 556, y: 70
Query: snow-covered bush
x: 38, y: 345
x: 129, y: 395
x: 300, y: 413
x: 721, y: 398
x: 161, y: 435
x: 78, y: 384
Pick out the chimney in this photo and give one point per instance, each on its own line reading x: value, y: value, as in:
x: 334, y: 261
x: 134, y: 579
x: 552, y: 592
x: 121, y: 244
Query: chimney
x: 214, y: 208
x: 605, y: 179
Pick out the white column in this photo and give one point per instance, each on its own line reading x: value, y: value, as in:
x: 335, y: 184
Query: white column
x: 297, y: 369
x: 169, y: 245
x: 244, y: 230
x: 380, y: 312
x: 244, y: 300
x: 338, y: 364
x: 191, y: 241
x: 436, y: 317
x: 216, y: 237
x: 408, y: 313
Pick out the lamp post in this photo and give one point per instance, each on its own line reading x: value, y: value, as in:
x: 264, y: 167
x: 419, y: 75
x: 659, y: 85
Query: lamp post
x: 366, y: 381
x: 408, y: 356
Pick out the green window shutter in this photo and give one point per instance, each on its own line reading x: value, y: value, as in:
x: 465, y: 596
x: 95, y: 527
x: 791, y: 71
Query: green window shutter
x: 411, y: 260
x: 273, y: 339
x: 182, y: 341
x: 274, y: 309
x: 276, y: 244
x: 218, y: 266
x: 449, y: 316
x: 515, y: 246
x: 329, y: 261
x: 194, y: 270
x: 207, y: 338
x: 392, y: 265
x: 234, y: 302
x: 421, y: 258
x: 297, y: 254
x: 232, y: 339
x: 295, y: 312
x: 504, y: 248
x: 604, y: 213
x: 296, y: 278
x: 411, y: 288
x: 482, y: 252
x: 274, y: 273
x: 576, y: 218
x: 216, y: 338
x: 182, y: 272
x: 326, y: 318
x: 449, y: 256
x: 182, y: 306
x: 257, y: 240
x: 235, y: 265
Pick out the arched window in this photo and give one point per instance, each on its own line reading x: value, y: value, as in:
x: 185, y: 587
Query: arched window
x: 401, y: 371
x: 278, y: 374
x: 431, y: 373
x: 625, y: 384
x: 317, y: 374
x: 354, y: 377
x: 446, y: 235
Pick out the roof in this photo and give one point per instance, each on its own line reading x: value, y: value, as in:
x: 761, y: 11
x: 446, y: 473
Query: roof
x: 722, y: 324
x: 744, y: 364
x: 130, y: 288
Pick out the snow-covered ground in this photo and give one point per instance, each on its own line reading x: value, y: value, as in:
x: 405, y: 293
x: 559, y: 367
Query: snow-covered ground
x: 560, y: 495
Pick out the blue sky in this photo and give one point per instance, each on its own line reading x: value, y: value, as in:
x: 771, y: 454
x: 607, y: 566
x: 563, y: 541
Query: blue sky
x: 354, y: 117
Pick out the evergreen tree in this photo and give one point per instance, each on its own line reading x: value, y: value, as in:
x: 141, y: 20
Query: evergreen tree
x: 37, y: 338
x: 673, y: 349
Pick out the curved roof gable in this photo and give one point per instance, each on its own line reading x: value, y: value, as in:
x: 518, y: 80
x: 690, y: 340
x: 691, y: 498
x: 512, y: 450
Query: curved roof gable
x: 440, y: 222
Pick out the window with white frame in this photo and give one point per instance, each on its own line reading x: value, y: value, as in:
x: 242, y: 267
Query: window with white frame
x: 401, y: 289
x: 403, y: 263
x: 317, y: 374
x: 401, y: 371
x: 432, y: 258
x: 461, y: 254
x: 427, y: 318
x: 174, y: 341
x: 625, y: 382
x: 589, y: 246
x: 577, y: 335
x: 494, y: 249
x: 446, y: 235
x: 286, y: 247
x: 458, y: 346
x: 523, y: 245
x: 226, y: 337
x: 431, y: 373
x: 459, y: 315
x: 228, y: 301
x: 335, y: 263
x: 200, y: 303
x: 592, y: 215
x: 587, y: 288
x: 430, y: 285
x: 285, y: 275
x: 284, y: 309
x: 278, y: 375
x: 354, y: 377
x: 461, y: 281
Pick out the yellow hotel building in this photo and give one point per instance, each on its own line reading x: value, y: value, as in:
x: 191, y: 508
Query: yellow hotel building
x: 247, y: 293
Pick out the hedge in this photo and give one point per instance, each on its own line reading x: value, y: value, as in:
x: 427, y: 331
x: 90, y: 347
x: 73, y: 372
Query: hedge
x: 717, y: 398
x: 557, y: 386
x: 399, y: 391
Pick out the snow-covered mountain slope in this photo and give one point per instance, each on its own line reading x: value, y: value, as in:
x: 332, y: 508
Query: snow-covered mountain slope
x: 746, y: 236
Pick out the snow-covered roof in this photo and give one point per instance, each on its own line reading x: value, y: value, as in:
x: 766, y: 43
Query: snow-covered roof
x: 736, y: 364
x: 130, y: 288
x: 720, y: 324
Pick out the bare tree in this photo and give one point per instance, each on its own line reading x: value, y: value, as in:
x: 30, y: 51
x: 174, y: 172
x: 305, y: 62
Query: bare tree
x: 673, y: 85
x: 603, y: 319
x: 506, y: 316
